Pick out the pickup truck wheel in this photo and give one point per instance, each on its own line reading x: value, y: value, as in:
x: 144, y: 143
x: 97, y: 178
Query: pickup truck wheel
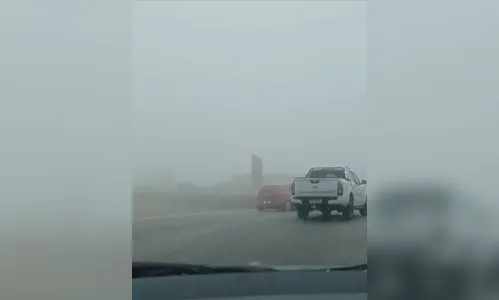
x: 348, y: 212
x: 260, y: 207
x: 287, y: 206
x: 363, y: 210
x: 302, y: 213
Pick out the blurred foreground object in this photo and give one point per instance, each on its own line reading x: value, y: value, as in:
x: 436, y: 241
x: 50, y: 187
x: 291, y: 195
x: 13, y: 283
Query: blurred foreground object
x: 429, y: 241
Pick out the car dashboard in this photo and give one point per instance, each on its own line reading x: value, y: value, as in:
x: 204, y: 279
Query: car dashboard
x: 306, y: 284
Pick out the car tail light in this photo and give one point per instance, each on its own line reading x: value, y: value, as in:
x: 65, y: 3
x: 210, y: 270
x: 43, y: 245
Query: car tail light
x: 339, y: 188
x: 293, y: 188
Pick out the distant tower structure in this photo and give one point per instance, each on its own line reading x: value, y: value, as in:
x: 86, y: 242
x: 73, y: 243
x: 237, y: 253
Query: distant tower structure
x: 256, y: 173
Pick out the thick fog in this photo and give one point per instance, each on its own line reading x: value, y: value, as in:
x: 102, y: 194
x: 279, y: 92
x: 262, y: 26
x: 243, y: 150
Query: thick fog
x: 216, y: 82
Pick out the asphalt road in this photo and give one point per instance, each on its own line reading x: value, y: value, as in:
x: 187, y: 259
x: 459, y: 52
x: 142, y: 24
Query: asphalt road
x: 246, y: 236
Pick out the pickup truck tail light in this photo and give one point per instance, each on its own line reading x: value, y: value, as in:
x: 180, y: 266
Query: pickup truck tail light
x: 339, y: 188
x: 293, y: 188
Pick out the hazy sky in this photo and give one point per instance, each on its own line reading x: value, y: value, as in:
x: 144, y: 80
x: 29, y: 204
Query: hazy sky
x: 215, y: 82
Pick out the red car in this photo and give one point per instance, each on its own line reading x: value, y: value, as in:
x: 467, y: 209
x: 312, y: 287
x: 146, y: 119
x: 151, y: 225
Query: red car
x: 275, y: 197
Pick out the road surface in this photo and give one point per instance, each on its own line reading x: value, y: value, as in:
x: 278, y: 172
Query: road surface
x: 249, y: 237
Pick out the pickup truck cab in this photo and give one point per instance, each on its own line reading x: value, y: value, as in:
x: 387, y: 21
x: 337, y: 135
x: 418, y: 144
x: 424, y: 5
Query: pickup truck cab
x: 329, y: 189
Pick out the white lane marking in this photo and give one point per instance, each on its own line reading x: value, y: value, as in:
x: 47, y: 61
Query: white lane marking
x: 192, y: 214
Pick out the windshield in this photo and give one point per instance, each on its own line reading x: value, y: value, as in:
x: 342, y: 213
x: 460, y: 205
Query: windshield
x: 232, y: 103
x: 270, y: 188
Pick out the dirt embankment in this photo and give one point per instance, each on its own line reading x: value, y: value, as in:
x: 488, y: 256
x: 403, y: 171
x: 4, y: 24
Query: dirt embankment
x: 147, y: 203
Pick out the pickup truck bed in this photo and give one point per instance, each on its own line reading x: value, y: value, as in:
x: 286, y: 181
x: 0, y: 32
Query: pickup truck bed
x: 310, y: 188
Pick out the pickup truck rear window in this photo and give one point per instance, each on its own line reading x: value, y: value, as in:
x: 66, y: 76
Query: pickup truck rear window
x: 327, y: 173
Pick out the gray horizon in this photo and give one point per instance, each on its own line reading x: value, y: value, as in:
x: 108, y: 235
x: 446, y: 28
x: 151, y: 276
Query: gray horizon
x: 215, y: 82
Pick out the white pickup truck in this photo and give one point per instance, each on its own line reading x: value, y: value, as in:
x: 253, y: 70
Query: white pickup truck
x: 328, y: 189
